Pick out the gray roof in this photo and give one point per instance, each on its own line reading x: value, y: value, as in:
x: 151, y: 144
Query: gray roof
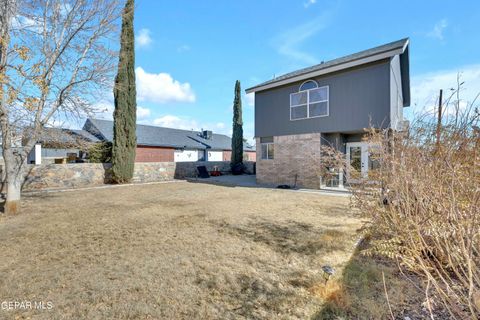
x: 400, y: 44
x: 66, y: 136
x: 164, y: 137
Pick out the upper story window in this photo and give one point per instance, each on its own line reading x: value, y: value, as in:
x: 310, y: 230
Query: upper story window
x: 310, y: 101
x: 307, y: 85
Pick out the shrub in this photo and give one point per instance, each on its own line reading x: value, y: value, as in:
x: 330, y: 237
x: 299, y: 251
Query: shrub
x: 424, y: 206
x: 100, y: 152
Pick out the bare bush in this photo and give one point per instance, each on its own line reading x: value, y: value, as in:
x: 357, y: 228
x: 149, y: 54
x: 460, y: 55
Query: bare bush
x: 423, y: 202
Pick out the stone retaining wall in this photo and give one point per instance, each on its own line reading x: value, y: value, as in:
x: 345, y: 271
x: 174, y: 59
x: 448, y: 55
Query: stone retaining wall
x: 77, y: 175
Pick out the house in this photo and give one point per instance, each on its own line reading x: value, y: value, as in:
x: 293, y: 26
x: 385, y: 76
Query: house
x: 330, y: 103
x: 61, y: 143
x: 159, y: 144
x: 154, y: 144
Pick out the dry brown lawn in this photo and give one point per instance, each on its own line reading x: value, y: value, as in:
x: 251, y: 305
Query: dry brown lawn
x: 175, y: 251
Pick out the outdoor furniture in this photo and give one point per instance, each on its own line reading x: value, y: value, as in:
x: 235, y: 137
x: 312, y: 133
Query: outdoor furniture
x: 203, y: 172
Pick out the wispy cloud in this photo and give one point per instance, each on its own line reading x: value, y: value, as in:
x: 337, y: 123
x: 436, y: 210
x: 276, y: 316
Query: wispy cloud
x: 290, y: 42
x: 143, y: 38
x: 438, y: 29
x: 183, y: 48
x: 425, y: 87
x: 308, y: 3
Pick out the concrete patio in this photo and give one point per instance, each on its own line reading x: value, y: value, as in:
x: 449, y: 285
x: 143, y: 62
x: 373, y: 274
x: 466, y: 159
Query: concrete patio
x: 249, y: 181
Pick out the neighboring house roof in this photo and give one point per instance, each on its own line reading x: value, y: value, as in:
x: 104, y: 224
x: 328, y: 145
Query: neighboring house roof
x: 62, y: 136
x: 164, y: 137
x: 385, y: 51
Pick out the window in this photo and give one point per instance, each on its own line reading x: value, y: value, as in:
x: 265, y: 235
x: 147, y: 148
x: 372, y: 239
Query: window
x: 309, y: 102
x: 267, y: 151
x: 307, y: 85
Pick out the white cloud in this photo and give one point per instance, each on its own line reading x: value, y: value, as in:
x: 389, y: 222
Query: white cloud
x: 162, y: 88
x: 425, y: 87
x: 438, y: 29
x: 104, y: 109
x: 250, y: 98
x: 143, y: 39
x: 142, y: 112
x: 186, y: 123
x: 183, y: 48
x: 171, y: 121
x: 26, y: 23
x: 289, y: 43
x: 308, y: 3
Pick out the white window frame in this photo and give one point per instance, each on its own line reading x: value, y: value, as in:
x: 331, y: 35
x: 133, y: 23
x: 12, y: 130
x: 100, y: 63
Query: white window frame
x: 308, y: 102
x: 266, y: 144
x: 316, y: 83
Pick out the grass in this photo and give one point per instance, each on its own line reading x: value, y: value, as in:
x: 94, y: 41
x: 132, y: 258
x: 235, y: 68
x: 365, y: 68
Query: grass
x: 180, y: 250
x: 184, y: 251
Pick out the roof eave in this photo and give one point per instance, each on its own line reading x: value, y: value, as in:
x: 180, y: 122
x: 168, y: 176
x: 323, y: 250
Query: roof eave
x: 334, y: 68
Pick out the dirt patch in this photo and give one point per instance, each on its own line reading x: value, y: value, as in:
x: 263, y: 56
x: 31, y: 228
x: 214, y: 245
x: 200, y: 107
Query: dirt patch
x: 173, y: 251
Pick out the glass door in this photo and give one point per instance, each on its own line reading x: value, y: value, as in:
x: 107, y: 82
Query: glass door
x: 357, y: 158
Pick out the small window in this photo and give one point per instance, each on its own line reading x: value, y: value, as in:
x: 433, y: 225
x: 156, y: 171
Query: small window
x: 307, y: 85
x: 267, y: 151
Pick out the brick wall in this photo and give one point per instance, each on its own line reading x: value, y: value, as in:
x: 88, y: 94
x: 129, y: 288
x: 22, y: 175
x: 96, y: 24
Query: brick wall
x: 294, y: 156
x: 252, y: 156
x: 154, y: 154
x: 227, y: 155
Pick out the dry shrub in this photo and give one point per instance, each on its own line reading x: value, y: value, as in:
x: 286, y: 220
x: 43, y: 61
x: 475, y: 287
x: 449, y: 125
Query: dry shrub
x: 424, y: 205
x: 331, y: 292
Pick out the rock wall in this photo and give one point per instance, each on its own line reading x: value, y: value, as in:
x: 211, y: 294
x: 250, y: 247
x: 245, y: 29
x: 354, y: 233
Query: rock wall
x: 77, y: 175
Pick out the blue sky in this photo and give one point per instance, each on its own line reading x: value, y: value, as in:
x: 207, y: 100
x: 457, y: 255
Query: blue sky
x: 189, y: 53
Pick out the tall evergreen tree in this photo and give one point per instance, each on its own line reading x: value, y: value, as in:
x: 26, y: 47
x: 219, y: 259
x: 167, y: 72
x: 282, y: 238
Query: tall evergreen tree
x: 125, y: 114
x: 237, y: 134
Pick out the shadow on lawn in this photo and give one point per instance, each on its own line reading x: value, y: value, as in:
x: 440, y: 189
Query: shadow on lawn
x: 359, y: 293
x: 290, y: 236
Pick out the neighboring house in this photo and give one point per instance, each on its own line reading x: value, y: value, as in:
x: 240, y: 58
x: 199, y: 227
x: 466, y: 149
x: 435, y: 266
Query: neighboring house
x: 329, y: 104
x: 61, y: 143
x: 159, y: 144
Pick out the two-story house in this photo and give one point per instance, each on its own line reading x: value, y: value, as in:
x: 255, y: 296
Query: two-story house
x: 328, y: 104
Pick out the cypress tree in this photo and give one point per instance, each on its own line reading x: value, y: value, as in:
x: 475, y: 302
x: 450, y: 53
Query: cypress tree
x: 125, y: 114
x: 237, y: 134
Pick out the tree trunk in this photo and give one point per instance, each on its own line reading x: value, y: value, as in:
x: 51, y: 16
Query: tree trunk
x: 15, y: 175
x: 14, y: 186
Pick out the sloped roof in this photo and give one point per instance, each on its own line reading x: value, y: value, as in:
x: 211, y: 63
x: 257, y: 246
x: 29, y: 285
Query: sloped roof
x: 66, y: 136
x: 380, y: 52
x: 164, y: 137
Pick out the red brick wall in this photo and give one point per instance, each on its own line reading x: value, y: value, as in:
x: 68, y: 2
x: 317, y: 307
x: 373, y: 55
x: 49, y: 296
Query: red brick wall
x: 252, y: 156
x: 227, y: 155
x: 154, y: 154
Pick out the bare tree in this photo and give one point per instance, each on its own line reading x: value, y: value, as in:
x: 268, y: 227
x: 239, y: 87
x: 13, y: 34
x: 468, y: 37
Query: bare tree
x: 54, y: 59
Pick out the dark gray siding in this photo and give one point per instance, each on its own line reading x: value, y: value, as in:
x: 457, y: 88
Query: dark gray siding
x: 338, y: 140
x: 358, y: 97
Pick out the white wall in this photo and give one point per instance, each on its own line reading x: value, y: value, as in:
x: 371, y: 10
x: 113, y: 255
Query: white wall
x: 215, y: 156
x: 396, y: 98
x: 185, y: 155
